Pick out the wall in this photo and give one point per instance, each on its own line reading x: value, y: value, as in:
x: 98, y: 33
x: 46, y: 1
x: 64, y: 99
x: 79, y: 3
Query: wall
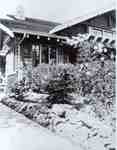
x: 74, y: 30
x: 106, y: 21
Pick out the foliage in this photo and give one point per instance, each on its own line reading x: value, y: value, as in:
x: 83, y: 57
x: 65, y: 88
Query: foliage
x: 60, y: 86
x: 36, y: 81
x: 42, y: 74
x: 40, y: 78
x: 97, y: 80
x: 89, y: 51
x: 19, y: 89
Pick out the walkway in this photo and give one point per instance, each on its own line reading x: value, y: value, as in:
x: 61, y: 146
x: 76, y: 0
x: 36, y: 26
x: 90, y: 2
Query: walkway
x: 19, y: 133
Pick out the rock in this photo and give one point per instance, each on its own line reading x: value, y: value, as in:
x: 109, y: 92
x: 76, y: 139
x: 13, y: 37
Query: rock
x: 43, y: 120
x: 60, y: 109
x: 35, y: 97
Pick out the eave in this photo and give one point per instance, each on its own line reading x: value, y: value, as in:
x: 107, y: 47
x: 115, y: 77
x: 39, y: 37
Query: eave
x: 37, y: 33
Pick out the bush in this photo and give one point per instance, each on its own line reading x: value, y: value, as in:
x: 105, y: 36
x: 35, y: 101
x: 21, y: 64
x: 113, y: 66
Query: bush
x: 42, y: 74
x: 60, y: 86
x: 36, y: 81
x: 19, y: 89
x: 89, y: 51
x: 40, y: 78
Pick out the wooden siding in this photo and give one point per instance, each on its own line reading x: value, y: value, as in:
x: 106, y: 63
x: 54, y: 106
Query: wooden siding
x: 74, y: 30
x: 105, y: 21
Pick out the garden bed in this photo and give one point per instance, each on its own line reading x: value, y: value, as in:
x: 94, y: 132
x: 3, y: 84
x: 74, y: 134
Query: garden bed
x: 79, y: 124
x: 79, y: 103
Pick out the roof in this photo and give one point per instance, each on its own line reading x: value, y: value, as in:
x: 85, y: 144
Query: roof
x: 29, y: 23
x: 83, y: 18
x: 30, y: 26
x: 7, y: 30
x: 44, y: 34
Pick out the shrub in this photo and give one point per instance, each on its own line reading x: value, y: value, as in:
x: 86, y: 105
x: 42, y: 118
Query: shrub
x: 60, y: 86
x: 36, y: 81
x: 42, y: 74
x: 40, y: 78
x: 19, y: 89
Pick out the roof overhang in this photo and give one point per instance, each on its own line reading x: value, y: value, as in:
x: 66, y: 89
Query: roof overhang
x: 83, y: 18
x: 6, y: 30
x: 43, y: 34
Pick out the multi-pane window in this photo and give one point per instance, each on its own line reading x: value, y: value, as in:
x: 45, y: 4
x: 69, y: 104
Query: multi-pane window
x: 47, y: 54
x: 53, y: 55
x: 35, y: 55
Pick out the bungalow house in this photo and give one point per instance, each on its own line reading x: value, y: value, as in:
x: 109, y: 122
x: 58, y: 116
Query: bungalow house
x: 29, y: 44
x: 33, y: 41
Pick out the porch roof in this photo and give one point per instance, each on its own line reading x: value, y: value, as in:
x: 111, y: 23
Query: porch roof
x: 28, y: 23
x: 44, y: 34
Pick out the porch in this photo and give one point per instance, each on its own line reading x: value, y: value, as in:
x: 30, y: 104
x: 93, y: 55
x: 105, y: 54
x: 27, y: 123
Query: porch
x: 30, y: 49
x: 36, y: 49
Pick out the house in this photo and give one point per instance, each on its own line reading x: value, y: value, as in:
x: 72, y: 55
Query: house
x: 30, y: 45
x: 36, y: 41
x: 101, y: 22
x: 98, y: 28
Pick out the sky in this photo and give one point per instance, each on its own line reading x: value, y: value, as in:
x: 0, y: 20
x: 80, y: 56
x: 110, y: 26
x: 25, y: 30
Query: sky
x: 53, y: 10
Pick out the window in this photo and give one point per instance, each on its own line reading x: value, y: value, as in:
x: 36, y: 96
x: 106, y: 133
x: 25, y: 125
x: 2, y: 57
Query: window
x: 52, y: 55
x: 35, y: 55
x: 95, y: 31
x: 45, y: 54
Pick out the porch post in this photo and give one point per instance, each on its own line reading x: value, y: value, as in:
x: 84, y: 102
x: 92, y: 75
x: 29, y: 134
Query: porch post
x: 20, y: 65
x: 49, y: 49
x: 18, y: 62
x: 40, y: 59
x: 57, y: 61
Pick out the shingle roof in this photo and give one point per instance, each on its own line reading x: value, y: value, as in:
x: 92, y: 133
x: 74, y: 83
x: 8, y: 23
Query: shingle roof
x: 30, y: 24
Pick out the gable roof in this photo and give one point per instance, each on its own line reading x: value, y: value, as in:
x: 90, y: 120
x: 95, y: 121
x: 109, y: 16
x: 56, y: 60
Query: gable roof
x: 29, y: 23
x: 83, y: 18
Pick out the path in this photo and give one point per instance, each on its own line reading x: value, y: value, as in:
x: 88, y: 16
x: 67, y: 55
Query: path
x: 19, y: 133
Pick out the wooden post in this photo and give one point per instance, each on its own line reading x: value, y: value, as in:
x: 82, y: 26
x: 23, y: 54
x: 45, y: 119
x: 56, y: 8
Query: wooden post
x: 18, y: 62
x: 49, y: 49
x: 40, y: 55
x: 57, y: 56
